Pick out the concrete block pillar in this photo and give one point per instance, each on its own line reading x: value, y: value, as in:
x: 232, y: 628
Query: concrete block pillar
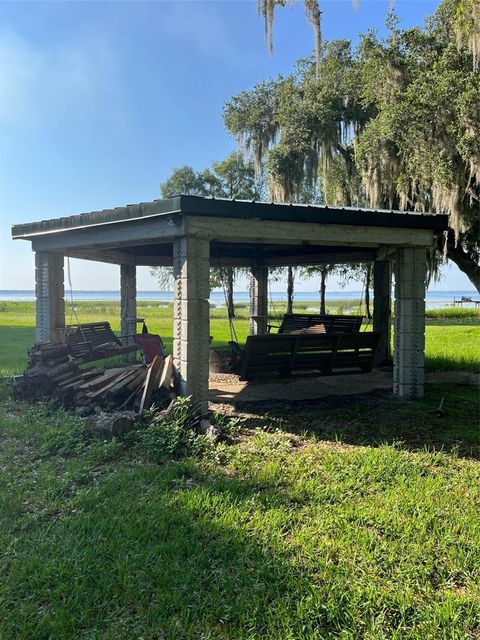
x: 49, y: 292
x: 258, y: 300
x: 128, y: 307
x: 382, y: 308
x: 191, y: 317
x: 409, y: 340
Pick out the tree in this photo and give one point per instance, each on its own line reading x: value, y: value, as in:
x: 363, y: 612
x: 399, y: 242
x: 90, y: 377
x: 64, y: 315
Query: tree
x: 324, y: 270
x: 185, y: 181
x: 361, y: 272
x: 393, y: 123
x: 233, y: 177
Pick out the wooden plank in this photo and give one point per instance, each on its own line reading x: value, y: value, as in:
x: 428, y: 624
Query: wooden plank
x: 166, y: 376
x: 72, y: 382
x: 131, y: 396
x: 139, y: 378
x: 117, y: 382
x: 109, y: 373
x: 294, y: 322
x: 123, y: 381
x: 151, y: 383
x: 103, y: 389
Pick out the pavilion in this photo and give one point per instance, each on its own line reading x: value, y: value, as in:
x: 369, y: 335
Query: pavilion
x: 192, y: 233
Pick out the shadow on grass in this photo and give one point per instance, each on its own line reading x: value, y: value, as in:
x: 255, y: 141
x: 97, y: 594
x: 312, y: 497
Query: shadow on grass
x: 173, y: 552
x: 165, y: 553
x: 378, y: 418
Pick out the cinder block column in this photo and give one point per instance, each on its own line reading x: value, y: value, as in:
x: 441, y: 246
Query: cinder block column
x: 258, y: 300
x: 382, y: 308
x: 409, y: 340
x: 191, y: 317
x: 49, y: 292
x: 128, y: 306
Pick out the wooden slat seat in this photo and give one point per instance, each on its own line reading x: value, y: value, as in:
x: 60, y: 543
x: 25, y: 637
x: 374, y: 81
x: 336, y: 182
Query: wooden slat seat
x: 332, y: 323
x: 94, y: 340
x: 356, y: 350
x: 288, y: 355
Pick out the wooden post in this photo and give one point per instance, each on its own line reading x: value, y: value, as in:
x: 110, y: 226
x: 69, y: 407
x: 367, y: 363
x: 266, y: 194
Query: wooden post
x: 409, y: 340
x: 49, y: 292
x: 128, y: 307
x: 258, y: 300
x: 191, y: 335
x: 382, y: 309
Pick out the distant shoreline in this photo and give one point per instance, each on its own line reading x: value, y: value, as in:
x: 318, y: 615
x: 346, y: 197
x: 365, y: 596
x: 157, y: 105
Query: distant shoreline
x: 341, y: 292
x: 217, y: 298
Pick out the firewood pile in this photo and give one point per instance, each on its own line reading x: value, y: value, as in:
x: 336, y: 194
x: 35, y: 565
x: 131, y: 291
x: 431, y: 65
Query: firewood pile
x: 52, y: 373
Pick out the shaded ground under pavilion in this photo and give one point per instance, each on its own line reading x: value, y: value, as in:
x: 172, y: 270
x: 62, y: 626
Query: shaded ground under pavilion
x: 192, y: 234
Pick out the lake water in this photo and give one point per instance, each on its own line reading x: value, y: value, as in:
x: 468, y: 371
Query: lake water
x: 434, y: 299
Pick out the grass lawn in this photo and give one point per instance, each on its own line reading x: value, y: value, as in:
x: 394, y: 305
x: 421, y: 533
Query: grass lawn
x: 452, y: 339
x: 303, y: 524
x: 352, y: 519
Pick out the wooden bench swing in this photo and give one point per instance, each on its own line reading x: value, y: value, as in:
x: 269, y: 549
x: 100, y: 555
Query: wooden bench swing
x: 92, y: 341
x: 331, y: 323
x: 298, y: 354
x: 307, y: 344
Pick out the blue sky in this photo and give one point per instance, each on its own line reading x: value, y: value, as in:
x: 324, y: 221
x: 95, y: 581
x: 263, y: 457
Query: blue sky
x: 99, y: 101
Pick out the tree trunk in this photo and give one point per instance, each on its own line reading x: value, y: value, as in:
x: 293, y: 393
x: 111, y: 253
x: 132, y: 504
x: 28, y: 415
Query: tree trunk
x: 323, y: 289
x: 466, y: 263
x: 229, y: 287
x: 290, y: 289
x: 368, y: 278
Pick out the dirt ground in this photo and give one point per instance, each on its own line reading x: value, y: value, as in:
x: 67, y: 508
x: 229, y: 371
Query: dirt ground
x: 228, y: 388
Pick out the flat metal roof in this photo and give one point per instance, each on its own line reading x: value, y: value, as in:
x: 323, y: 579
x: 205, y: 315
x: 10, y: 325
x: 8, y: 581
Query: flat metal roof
x: 186, y: 205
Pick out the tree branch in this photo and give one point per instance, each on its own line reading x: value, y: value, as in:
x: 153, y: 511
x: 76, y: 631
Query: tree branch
x: 466, y: 262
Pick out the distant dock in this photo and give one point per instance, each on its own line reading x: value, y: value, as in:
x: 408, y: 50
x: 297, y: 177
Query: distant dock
x: 465, y: 300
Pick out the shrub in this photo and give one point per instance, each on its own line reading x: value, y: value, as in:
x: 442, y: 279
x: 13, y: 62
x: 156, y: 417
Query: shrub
x: 454, y: 312
x: 176, y: 435
x: 226, y: 426
x: 171, y: 437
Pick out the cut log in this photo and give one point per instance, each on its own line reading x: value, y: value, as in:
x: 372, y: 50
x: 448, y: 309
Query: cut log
x: 110, y: 425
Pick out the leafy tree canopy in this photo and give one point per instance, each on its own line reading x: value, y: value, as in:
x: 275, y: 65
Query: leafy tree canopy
x: 233, y: 177
x: 392, y: 123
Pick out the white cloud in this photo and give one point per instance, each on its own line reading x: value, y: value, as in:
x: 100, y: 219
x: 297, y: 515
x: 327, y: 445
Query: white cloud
x: 36, y: 82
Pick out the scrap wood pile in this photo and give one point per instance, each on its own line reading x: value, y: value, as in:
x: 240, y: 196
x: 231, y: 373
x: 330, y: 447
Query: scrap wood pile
x: 51, y: 373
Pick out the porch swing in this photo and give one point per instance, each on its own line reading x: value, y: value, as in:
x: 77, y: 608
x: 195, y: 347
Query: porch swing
x: 92, y: 341
x: 320, y: 323
x: 306, y: 344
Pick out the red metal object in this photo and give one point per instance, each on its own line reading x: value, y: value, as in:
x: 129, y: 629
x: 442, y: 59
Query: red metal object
x: 151, y: 345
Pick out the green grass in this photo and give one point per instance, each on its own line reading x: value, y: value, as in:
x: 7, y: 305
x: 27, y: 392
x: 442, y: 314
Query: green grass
x: 306, y: 525
x: 452, y: 342
x: 457, y: 313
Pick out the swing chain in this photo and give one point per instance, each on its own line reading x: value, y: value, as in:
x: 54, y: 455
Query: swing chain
x: 231, y: 325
